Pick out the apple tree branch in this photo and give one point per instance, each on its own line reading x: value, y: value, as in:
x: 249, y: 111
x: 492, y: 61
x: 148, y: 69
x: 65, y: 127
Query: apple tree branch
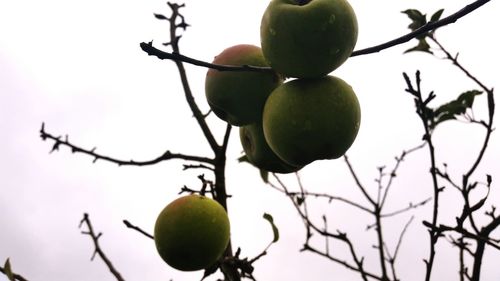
x: 97, y: 248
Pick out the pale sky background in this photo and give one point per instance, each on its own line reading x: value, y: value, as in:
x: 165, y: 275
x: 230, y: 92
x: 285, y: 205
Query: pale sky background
x: 77, y: 66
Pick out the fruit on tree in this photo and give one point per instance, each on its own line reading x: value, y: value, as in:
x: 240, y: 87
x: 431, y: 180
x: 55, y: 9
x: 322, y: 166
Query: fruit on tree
x: 308, y: 38
x: 311, y: 119
x: 259, y: 153
x: 238, y: 97
x: 192, y: 232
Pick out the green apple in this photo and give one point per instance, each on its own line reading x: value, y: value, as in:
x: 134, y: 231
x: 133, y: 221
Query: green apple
x: 192, y: 232
x: 308, y: 38
x: 238, y: 97
x: 311, y: 119
x: 259, y: 153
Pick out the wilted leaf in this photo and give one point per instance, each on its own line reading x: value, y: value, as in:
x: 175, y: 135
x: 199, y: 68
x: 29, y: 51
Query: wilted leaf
x: 8, y: 270
x: 276, y: 234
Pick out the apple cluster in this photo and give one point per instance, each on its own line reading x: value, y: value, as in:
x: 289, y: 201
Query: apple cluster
x: 289, y: 114
x: 295, y: 113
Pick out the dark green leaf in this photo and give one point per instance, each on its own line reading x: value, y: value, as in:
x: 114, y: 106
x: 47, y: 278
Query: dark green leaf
x: 452, y: 109
x: 467, y: 98
x: 418, y: 19
x: 243, y: 158
x: 276, y: 233
x: 437, y: 15
x: 300, y: 200
x: 414, y: 14
x: 160, y: 17
x: 8, y: 270
x: 264, y: 175
x: 422, y: 46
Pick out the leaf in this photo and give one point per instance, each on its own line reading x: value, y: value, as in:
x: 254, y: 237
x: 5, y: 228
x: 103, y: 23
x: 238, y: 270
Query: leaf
x: 160, y: 17
x: 422, y: 46
x: 276, y: 233
x: 300, y: 200
x: 418, y: 19
x: 437, y: 15
x: 452, y: 109
x: 467, y: 98
x: 243, y: 158
x: 8, y: 270
x: 264, y: 175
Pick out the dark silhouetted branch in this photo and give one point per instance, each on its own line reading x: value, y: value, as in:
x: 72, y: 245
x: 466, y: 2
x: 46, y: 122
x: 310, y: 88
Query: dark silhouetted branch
x: 58, y: 142
x: 98, y: 251
x: 153, y: 51
x: 138, y: 229
x: 422, y: 30
x: 176, y: 56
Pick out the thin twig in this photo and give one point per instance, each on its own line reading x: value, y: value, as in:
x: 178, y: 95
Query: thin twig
x: 359, y: 267
x: 358, y: 182
x: 95, y: 239
x: 153, y: 51
x: 58, y: 142
x: 184, y: 80
x: 421, y: 105
x: 176, y: 56
x: 393, y: 172
x: 406, y: 209
x: 422, y: 30
x: 138, y: 229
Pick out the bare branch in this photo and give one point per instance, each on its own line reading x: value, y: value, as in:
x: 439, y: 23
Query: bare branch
x: 152, y: 51
x: 332, y: 198
x: 58, y: 142
x: 138, y: 229
x: 393, y: 172
x: 365, y: 274
x: 406, y: 209
x: 185, y: 83
x: 359, y: 267
x: 98, y: 249
x: 358, y: 182
x: 176, y: 56
x: 421, y: 105
x: 491, y: 107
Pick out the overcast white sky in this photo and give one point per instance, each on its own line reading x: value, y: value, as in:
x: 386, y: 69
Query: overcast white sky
x: 77, y: 66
